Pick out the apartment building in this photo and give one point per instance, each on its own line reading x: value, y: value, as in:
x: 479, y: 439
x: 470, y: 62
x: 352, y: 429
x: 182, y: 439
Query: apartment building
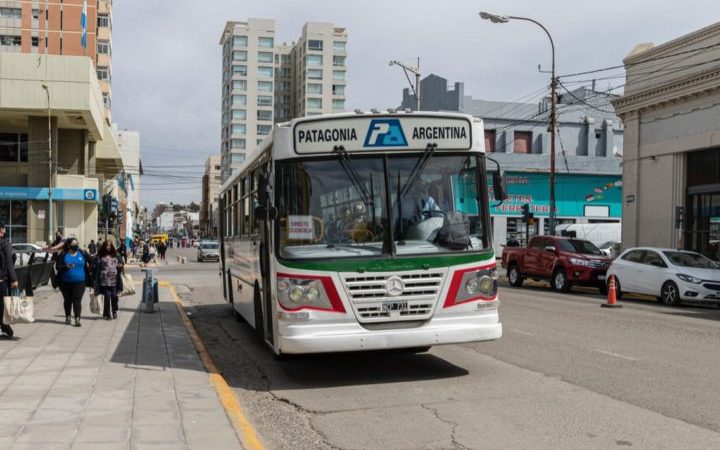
x: 264, y: 83
x: 210, y: 190
x: 55, y: 27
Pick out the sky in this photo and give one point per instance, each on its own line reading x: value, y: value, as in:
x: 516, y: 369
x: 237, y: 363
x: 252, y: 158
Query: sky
x: 167, y: 60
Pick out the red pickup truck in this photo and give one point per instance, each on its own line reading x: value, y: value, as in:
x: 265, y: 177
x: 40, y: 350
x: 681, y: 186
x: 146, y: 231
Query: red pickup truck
x: 562, y: 261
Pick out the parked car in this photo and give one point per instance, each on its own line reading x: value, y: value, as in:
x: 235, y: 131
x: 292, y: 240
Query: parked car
x: 597, y: 233
x: 208, y: 250
x: 562, y: 261
x: 610, y: 248
x: 23, y: 252
x: 673, y: 276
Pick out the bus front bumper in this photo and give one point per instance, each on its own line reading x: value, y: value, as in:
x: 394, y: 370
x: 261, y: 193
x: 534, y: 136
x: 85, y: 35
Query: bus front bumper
x: 344, y: 337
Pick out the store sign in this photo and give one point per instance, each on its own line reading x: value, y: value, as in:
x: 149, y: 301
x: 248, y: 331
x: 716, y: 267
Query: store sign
x: 573, y: 192
x: 35, y: 193
x: 383, y: 133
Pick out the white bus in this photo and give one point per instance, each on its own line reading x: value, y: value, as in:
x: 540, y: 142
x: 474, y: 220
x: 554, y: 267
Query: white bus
x: 362, y: 231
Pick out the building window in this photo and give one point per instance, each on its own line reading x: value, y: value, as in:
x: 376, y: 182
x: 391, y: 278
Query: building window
x: 13, y: 147
x: 103, y: 74
x: 103, y: 21
x: 338, y: 89
x: 238, y: 143
x: 265, y: 57
x: 239, y: 85
x: 314, y: 44
x: 35, y: 41
x: 103, y: 47
x: 239, y: 100
x: 314, y: 74
x: 338, y: 74
x: 339, y: 46
x: 10, y: 40
x: 285, y: 59
x: 265, y: 86
x: 490, y: 136
x: 338, y: 104
x: 263, y: 130
x: 240, y: 55
x: 313, y: 88
x: 106, y: 100
x: 314, y: 60
x: 285, y: 72
x: 240, y: 70
x: 264, y: 114
x: 238, y: 128
x: 265, y: 72
x: 239, y: 41
x: 522, y: 142
x: 239, y: 114
x: 35, y: 13
x: 237, y: 158
x: 264, y: 100
x: 11, y: 13
x: 314, y: 103
x: 265, y: 42
x: 338, y: 60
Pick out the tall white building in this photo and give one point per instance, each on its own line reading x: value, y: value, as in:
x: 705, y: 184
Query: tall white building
x: 264, y: 83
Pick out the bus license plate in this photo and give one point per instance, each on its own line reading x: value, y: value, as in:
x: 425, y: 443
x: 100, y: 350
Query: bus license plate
x: 394, y: 306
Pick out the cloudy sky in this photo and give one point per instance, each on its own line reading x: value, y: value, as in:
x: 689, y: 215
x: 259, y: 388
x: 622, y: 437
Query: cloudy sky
x: 167, y: 61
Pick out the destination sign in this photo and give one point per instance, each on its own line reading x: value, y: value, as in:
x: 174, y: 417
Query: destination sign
x: 383, y: 133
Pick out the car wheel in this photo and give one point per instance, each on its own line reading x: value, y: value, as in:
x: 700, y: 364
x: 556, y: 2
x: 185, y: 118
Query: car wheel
x: 560, y: 282
x: 514, y: 277
x: 670, y: 294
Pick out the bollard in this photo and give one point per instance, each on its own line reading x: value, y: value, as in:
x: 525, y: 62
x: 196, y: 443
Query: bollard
x: 612, y: 295
x: 150, y: 290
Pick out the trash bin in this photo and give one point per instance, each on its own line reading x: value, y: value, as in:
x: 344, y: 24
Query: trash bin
x: 150, y: 290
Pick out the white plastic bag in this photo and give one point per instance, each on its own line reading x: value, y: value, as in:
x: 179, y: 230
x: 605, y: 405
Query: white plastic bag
x: 18, y: 309
x: 96, y: 303
x: 128, y: 284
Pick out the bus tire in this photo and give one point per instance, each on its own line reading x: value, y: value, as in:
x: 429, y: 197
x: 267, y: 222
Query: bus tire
x: 259, y: 323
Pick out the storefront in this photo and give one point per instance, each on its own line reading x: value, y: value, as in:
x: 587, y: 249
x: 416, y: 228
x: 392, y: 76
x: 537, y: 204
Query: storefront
x: 578, y: 199
x: 702, y: 207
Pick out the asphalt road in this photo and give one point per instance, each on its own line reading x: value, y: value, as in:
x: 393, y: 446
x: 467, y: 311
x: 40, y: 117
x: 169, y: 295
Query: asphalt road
x: 565, y: 374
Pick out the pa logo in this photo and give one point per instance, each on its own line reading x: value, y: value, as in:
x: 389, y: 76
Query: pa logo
x: 89, y: 194
x: 385, y: 133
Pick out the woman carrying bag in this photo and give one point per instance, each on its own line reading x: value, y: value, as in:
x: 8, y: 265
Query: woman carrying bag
x: 108, y: 280
x: 73, y: 271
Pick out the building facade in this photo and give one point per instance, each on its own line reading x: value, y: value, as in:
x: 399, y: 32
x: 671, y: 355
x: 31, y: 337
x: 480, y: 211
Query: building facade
x: 671, y: 162
x: 128, y: 183
x: 210, y: 191
x: 264, y: 83
x: 589, y: 142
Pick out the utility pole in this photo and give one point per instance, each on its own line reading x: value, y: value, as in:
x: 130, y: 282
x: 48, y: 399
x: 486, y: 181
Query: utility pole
x: 415, y: 70
x: 50, y: 164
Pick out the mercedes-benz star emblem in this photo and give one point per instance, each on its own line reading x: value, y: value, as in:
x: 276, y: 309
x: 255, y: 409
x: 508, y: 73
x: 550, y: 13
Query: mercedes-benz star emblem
x: 394, y: 286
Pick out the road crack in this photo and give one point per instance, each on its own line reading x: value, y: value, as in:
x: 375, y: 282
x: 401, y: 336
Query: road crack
x: 453, y: 427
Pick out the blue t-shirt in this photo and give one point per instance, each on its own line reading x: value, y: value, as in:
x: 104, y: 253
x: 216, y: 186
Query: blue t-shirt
x: 77, y: 273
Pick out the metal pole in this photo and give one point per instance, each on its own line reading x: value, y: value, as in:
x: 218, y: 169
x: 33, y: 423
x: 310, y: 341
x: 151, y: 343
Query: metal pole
x: 417, y: 84
x: 50, y: 165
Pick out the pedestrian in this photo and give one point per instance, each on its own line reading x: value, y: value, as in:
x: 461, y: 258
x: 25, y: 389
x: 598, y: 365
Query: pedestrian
x: 122, y: 253
x: 8, y: 278
x: 145, y: 252
x: 92, y: 248
x: 108, y: 280
x: 73, y: 268
x: 162, y: 248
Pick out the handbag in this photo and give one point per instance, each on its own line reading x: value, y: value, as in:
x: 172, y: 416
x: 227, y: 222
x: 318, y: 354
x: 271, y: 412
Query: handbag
x: 96, y: 303
x: 128, y: 284
x: 18, y: 309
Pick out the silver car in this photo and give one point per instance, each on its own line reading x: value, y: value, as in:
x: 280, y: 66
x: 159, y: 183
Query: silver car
x: 208, y: 250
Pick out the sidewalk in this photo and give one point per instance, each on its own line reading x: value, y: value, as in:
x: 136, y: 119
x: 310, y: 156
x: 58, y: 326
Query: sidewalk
x: 132, y: 383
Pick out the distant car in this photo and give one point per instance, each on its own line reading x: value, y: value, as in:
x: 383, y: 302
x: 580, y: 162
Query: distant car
x: 673, y: 276
x: 195, y: 243
x: 610, y: 248
x: 23, y: 252
x: 208, y: 250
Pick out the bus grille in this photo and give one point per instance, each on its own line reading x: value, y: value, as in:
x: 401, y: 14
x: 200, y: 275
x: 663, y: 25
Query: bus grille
x: 372, y: 302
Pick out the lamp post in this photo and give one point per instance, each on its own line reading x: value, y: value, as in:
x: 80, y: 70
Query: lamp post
x: 51, y: 235
x: 415, y: 70
x: 496, y: 18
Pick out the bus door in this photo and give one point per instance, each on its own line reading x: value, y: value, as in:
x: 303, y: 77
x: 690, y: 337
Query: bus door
x: 265, y: 215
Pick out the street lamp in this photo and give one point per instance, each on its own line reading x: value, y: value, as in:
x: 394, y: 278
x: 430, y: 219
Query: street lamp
x: 496, y: 18
x: 51, y: 235
x: 415, y: 70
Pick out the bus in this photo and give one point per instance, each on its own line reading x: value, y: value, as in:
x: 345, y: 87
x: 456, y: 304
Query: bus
x: 363, y: 231
x: 158, y: 238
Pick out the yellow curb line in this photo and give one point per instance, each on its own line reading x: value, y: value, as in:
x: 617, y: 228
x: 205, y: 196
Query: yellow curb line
x: 232, y: 406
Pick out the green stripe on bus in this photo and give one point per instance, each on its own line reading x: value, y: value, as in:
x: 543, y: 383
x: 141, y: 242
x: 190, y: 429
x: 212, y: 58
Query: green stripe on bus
x: 390, y: 264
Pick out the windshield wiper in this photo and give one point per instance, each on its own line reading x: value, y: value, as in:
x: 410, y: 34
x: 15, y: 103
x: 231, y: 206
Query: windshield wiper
x: 349, y: 168
x: 417, y: 170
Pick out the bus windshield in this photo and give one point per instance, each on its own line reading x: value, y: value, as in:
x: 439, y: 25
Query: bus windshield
x: 328, y: 209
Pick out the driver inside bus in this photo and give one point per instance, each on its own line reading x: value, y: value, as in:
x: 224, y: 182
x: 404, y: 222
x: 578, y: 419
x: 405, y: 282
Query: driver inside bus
x: 425, y: 203
x: 356, y: 224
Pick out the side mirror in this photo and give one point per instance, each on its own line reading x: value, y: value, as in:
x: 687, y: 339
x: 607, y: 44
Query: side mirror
x: 262, y: 212
x: 550, y: 249
x: 499, y: 186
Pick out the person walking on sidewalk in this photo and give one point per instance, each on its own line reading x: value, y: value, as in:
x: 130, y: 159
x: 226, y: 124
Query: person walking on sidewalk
x: 107, y: 279
x: 8, y: 278
x: 73, y: 268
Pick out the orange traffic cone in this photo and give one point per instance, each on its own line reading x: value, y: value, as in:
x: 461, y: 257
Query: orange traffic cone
x: 612, y: 295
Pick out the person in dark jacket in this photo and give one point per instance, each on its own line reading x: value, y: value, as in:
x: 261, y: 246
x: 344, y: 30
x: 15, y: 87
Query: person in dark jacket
x: 107, y: 279
x: 8, y: 278
x: 92, y: 248
x: 73, y: 268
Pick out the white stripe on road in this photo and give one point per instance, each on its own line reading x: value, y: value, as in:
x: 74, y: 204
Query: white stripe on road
x: 526, y: 333
x: 617, y: 355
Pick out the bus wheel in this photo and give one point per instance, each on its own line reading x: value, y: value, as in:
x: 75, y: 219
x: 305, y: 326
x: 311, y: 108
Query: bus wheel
x: 259, y: 328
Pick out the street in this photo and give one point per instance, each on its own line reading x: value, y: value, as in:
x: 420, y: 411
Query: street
x: 565, y: 374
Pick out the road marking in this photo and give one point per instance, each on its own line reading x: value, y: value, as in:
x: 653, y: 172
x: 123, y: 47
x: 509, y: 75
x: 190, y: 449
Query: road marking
x: 526, y: 333
x: 232, y: 406
x: 617, y: 355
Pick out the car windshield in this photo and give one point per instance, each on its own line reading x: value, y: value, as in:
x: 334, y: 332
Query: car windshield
x: 330, y: 208
x: 579, y: 246
x: 688, y: 259
x: 210, y: 246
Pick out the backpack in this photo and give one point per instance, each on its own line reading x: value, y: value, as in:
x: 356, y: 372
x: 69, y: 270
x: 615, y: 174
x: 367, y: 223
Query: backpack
x: 455, y: 231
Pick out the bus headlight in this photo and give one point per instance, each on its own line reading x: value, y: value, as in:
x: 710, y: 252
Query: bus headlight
x: 473, y: 284
x: 296, y: 292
